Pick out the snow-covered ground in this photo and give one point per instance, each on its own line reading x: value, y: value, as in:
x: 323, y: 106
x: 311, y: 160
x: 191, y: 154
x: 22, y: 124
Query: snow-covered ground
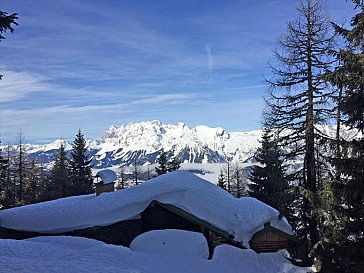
x: 81, y: 255
x: 172, y: 242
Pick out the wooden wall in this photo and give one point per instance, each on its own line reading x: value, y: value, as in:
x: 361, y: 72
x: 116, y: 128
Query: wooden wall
x: 156, y: 217
x: 268, y: 241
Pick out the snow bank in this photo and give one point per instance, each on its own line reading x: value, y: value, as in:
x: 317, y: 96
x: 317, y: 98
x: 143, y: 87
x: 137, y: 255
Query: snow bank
x: 172, y: 242
x: 250, y: 261
x: 81, y: 255
x: 240, y: 217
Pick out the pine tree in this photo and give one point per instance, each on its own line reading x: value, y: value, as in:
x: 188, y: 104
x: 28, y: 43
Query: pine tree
x: 346, y: 253
x: 162, y: 162
x: 6, y: 22
x: 9, y: 194
x: 60, y: 177
x: 31, y: 183
x: 298, y: 100
x: 165, y: 165
x: 270, y: 184
x: 173, y: 163
x: 80, y: 167
x: 221, y: 182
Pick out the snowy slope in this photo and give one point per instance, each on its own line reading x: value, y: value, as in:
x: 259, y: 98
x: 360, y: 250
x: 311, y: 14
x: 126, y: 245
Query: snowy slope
x: 242, y: 217
x: 81, y: 255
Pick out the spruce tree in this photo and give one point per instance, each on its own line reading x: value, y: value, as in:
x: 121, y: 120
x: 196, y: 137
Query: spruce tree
x: 221, y: 181
x: 9, y: 196
x: 173, y: 163
x: 60, y: 177
x: 298, y: 101
x: 270, y: 184
x: 80, y: 167
x: 6, y: 22
x: 162, y: 162
x: 346, y: 254
x: 165, y: 165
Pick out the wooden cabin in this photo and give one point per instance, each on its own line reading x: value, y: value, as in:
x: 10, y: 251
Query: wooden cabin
x: 189, y: 203
x: 159, y: 216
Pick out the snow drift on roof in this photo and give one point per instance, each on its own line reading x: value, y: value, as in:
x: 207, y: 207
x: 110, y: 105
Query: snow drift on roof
x: 240, y: 217
x: 107, y: 176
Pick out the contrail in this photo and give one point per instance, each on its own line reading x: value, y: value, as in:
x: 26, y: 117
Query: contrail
x: 210, y: 58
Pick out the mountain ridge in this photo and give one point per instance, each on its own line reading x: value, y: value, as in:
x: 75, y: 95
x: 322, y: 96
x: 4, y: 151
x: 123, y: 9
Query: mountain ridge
x: 141, y: 142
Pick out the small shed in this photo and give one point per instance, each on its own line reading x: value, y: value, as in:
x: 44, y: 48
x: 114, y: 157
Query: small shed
x: 105, y: 181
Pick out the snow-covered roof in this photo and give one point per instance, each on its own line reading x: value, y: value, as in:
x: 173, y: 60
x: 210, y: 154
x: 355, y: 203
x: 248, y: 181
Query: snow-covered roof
x: 241, y: 218
x: 106, y: 176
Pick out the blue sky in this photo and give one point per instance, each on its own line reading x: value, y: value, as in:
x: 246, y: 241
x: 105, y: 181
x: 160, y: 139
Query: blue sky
x: 74, y: 64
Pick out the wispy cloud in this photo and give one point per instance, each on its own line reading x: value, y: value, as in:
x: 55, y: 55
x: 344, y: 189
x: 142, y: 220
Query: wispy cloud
x: 91, y: 63
x: 17, y: 85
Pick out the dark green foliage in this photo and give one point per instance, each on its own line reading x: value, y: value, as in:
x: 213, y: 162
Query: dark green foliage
x: 3, y: 179
x: 60, y: 178
x: 345, y: 253
x: 6, y: 22
x: 270, y: 183
x: 165, y: 165
x: 162, y: 161
x: 222, y: 180
x: 80, y: 168
x: 173, y: 164
x: 8, y: 188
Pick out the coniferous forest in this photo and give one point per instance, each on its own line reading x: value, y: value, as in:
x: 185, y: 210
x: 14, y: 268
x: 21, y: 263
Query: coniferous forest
x: 316, y: 83
x: 317, y: 79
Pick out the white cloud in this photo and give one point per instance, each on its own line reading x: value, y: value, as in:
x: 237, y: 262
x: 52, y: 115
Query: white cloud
x: 17, y: 85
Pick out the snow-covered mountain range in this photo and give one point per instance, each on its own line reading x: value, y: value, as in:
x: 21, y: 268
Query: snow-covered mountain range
x: 141, y: 142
